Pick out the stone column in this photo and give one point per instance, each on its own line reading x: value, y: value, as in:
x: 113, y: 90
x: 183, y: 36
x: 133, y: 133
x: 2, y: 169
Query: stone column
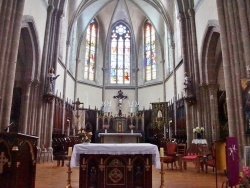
x: 212, y: 89
x: 244, y: 20
x: 195, y: 65
x: 13, y: 44
x: 25, y: 107
x: 226, y: 66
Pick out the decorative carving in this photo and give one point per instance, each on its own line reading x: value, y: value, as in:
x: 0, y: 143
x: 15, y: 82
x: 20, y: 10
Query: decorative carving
x: 115, y: 175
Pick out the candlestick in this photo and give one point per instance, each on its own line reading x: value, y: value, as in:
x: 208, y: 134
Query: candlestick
x: 69, y: 151
x: 162, y: 152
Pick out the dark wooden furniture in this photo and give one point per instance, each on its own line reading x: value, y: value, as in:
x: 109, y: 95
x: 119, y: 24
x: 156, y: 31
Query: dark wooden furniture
x: 115, y: 171
x: 120, y: 137
x: 60, y: 144
x: 171, y: 154
x: 17, y: 160
x: 115, y: 165
x: 194, y: 155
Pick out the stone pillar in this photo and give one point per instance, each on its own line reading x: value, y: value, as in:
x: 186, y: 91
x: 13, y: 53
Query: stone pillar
x: 25, y: 107
x: 213, y: 88
x: 195, y: 65
x: 206, y: 113
x: 244, y: 20
x: 12, y: 35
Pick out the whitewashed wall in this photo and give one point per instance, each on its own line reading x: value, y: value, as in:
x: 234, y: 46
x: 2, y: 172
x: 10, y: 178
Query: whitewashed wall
x: 205, y: 10
x: 169, y: 89
x: 70, y: 85
x: 60, y: 80
x: 38, y: 10
x: 149, y: 95
x: 89, y: 95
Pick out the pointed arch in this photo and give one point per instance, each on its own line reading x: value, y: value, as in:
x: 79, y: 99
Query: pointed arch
x: 211, y: 53
x: 120, y: 53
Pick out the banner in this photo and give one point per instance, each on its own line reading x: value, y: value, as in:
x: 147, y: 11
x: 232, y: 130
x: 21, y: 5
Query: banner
x: 232, y: 154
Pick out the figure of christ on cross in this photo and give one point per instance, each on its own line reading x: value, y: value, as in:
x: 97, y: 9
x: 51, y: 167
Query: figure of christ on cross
x: 120, y: 97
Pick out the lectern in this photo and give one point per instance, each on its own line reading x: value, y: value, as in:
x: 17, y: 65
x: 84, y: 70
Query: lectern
x: 17, y: 160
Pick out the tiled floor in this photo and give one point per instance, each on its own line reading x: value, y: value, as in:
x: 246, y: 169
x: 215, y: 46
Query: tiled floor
x: 48, y: 175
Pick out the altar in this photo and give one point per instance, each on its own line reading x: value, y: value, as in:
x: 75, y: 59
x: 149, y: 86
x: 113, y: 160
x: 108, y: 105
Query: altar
x: 119, y: 165
x: 120, y: 137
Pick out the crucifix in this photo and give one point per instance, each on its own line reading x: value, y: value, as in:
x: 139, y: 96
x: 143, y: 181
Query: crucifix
x: 77, y: 103
x: 120, y: 97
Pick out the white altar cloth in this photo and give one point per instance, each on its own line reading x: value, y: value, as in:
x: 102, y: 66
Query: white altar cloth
x: 199, y: 141
x: 115, y: 149
x: 120, y: 134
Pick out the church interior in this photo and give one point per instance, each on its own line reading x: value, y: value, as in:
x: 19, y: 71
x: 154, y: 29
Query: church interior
x: 124, y: 89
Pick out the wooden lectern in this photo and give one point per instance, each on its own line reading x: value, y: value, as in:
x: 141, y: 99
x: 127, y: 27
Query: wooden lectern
x: 17, y: 160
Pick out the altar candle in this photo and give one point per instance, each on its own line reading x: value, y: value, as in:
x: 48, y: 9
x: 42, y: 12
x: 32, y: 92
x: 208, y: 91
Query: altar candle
x: 69, y: 151
x: 161, y: 152
x: 129, y: 161
x: 101, y: 160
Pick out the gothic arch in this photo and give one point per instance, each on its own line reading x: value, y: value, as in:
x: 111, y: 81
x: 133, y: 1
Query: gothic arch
x: 210, y: 54
x: 27, y: 79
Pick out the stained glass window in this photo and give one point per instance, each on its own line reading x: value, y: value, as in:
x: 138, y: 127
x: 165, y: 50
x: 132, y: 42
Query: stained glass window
x: 120, y: 55
x: 90, y: 60
x: 150, y: 55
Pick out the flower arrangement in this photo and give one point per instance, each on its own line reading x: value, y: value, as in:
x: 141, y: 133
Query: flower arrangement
x: 244, y: 180
x: 131, y: 126
x: 84, y: 136
x: 198, y: 130
x: 105, y: 126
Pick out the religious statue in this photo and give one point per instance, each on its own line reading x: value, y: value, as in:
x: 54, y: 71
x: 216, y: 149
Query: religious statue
x: 52, y: 77
x: 187, y: 83
x: 120, y: 97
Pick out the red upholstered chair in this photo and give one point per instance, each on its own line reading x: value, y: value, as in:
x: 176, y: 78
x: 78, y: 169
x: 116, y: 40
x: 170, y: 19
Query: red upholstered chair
x: 171, y: 151
x: 194, y: 155
x: 211, y: 158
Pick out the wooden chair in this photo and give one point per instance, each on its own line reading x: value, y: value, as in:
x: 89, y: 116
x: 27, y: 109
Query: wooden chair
x: 211, y: 158
x: 171, y: 151
x: 194, y: 155
x: 181, y: 148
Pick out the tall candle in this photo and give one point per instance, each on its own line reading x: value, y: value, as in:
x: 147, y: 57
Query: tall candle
x: 69, y: 151
x: 161, y: 152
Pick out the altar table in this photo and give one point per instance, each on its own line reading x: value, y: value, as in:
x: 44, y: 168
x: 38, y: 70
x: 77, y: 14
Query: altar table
x: 199, y: 141
x: 120, y: 137
x: 115, y: 165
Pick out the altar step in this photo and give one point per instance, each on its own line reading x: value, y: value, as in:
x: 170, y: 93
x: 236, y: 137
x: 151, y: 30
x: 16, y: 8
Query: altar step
x: 50, y: 176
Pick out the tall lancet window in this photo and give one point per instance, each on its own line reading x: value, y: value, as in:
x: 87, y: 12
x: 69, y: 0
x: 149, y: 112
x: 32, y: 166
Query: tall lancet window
x: 150, y: 55
x: 120, y: 55
x: 90, y: 60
